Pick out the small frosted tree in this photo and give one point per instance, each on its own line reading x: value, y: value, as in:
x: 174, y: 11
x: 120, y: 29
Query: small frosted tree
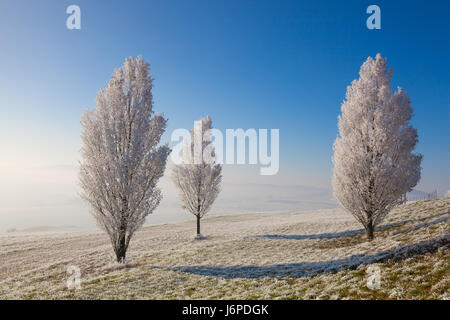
x: 122, y: 160
x: 373, y: 160
x: 198, y: 177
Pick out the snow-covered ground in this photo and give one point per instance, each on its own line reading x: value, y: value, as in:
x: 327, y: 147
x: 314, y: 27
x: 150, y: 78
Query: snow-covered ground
x: 291, y: 255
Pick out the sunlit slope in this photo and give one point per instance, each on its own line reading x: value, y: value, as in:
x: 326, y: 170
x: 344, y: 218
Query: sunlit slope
x: 301, y: 255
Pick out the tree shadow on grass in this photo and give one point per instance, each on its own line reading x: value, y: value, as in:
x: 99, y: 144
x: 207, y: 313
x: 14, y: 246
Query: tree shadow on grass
x: 328, y: 235
x: 305, y: 269
x: 423, y: 225
x: 352, y: 233
x: 202, y: 238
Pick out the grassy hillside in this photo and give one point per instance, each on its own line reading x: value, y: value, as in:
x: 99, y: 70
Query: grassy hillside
x: 303, y: 255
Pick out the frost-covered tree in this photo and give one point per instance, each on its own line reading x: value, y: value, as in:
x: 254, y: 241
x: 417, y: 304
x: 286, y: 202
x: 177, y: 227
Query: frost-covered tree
x: 198, y: 177
x: 122, y: 160
x: 373, y: 160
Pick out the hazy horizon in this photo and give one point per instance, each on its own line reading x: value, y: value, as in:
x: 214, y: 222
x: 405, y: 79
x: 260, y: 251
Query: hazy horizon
x: 59, y: 205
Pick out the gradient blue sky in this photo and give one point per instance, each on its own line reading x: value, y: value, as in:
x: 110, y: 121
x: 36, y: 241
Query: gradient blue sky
x: 248, y: 64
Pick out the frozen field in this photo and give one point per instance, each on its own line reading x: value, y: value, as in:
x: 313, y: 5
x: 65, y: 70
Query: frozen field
x: 319, y: 254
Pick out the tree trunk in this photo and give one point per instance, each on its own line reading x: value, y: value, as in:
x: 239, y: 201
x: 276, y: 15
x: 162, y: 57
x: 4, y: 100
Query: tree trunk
x: 198, y: 225
x: 121, y: 250
x: 369, y: 231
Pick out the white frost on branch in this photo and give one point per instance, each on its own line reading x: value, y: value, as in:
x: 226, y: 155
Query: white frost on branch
x: 122, y: 160
x: 198, y: 178
x: 373, y: 160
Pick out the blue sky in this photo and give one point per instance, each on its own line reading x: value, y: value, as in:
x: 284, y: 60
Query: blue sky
x: 248, y: 64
